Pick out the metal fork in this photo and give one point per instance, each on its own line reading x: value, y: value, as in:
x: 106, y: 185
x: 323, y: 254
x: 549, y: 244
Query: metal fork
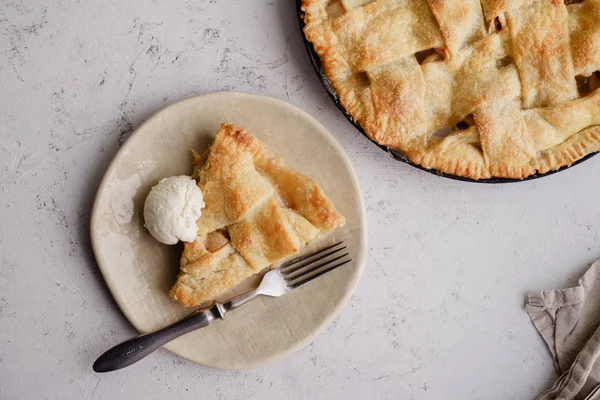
x: 289, y: 276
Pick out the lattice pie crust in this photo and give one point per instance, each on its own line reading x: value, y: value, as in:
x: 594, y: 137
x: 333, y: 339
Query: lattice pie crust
x: 479, y: 89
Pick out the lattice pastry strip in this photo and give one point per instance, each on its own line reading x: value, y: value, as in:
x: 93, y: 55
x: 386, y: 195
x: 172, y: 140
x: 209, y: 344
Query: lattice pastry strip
x: 460, y: 22
x: 584, y: 26
x: 379, y: 33
x: 503, y: 134
x: 542, y: 53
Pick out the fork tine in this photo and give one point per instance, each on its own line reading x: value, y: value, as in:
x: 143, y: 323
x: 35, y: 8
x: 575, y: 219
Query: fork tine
x: 309, y: 268
x: 289, y: 270
x: 297, y: 284
x: 299, y: 259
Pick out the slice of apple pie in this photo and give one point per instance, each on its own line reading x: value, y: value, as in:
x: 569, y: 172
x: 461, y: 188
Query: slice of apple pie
x: 258, y: 212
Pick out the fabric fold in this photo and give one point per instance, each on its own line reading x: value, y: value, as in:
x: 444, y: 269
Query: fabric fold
x: 568, y: 320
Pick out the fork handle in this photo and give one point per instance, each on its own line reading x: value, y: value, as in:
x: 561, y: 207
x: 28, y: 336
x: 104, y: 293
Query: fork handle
x: 136, y: 348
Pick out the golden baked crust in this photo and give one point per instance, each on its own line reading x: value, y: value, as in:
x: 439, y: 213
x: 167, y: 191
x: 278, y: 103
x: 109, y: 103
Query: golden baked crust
x: 465, y: 86
x: 258, y: 212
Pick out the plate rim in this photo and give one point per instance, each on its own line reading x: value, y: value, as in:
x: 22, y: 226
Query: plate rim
x: 359, y: 257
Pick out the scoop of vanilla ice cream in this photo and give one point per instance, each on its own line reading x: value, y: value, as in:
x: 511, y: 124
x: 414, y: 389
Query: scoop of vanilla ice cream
x: 172, y: 209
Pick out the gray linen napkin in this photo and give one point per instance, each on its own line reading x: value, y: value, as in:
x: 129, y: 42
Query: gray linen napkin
x: 569, y: 320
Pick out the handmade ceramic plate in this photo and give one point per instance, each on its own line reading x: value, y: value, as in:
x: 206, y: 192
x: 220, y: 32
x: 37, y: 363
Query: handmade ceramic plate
x: 139, y: 271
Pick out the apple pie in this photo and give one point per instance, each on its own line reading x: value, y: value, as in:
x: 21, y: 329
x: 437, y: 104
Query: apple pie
x: 258, y: 212
x: 478, y: 89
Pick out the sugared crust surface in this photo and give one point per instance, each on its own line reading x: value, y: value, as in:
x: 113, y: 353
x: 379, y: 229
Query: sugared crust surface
x: 460, y: 86
x: 258, y: 211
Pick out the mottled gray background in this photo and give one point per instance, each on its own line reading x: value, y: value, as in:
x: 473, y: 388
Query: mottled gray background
x: 439, y: 311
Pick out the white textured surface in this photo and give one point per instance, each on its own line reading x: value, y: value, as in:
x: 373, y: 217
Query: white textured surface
x: 438, y: 313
